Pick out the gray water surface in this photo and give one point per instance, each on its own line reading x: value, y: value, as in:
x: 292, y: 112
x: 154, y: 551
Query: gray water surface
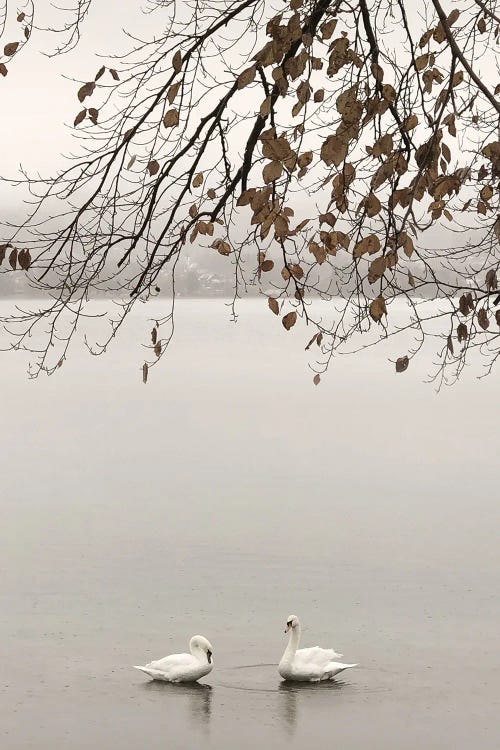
x: 225, y: 495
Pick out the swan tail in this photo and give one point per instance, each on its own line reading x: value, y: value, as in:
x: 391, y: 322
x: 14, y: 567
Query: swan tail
x: 145, y: 670
x: 336, y: 668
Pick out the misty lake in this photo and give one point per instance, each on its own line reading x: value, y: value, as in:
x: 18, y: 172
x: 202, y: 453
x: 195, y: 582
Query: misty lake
x: 221, y: 497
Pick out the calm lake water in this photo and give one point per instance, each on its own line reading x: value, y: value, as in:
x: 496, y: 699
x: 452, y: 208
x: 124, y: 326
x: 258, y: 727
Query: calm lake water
x: 220, y: 498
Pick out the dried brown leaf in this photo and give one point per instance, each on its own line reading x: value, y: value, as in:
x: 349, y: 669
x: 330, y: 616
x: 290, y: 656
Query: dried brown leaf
x: 266, y: 265
x: 86, y: 90
x: 377, y: 269
x: 333, y: 150
x: 311, y: 341
x: 153, y: 167
x: 80, y: 117
x: 402, y: 364
x: 482, y: 318
x: 272, y: 172
x: 24, y: 259
x: 411, y: 122
x: 372, y: 205
x: 378, y: 309
x: 247, y: 77
x: 10, y: 49
x: 289, y: 320
x: 273, y: 305
x: 173, y: 91
x: 462, y: 333
x: 369, y: 244
x: 177, y: 62
x: 171, y: 118
x: 491, y: 280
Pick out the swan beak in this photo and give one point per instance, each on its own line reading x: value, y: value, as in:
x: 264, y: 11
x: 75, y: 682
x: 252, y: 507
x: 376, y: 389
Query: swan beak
x: 287, y: 629
x: 209, y: 656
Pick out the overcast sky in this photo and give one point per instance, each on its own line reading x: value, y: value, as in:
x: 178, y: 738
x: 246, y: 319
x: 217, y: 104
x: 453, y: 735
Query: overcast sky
x: 38, y: 100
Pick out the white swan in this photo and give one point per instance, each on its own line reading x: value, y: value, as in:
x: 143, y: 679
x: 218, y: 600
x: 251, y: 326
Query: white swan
x: 308, y: 664
x: 183, y: 667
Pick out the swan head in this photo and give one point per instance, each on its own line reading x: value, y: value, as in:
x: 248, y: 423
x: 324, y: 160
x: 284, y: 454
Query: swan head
x: 199, y: 643
x: 292, y: 621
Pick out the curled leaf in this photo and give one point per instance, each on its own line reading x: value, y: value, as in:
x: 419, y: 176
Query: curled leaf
x: 311, y: 342
x: 80, y: 117
x: 145, y: 370
x: 93, y: 114
x: 221, y: 246
x: 173, y: 91
x: 177, y: 62
x: 86, y: 90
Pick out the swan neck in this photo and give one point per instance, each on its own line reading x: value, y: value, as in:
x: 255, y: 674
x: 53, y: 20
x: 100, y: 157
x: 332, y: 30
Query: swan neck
x: 293, y: 642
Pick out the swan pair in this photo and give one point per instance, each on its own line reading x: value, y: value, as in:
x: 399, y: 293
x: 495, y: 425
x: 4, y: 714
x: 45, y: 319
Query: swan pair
x: 297, y: 665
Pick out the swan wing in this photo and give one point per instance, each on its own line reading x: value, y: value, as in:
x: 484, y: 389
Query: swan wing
x: 153, y: 673
x: 315, y: 656
x: 173, y: 661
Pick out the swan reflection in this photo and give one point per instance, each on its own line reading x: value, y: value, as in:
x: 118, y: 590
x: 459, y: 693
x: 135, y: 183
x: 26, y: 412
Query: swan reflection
x: 198, y: 696
x: 292, y: 694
